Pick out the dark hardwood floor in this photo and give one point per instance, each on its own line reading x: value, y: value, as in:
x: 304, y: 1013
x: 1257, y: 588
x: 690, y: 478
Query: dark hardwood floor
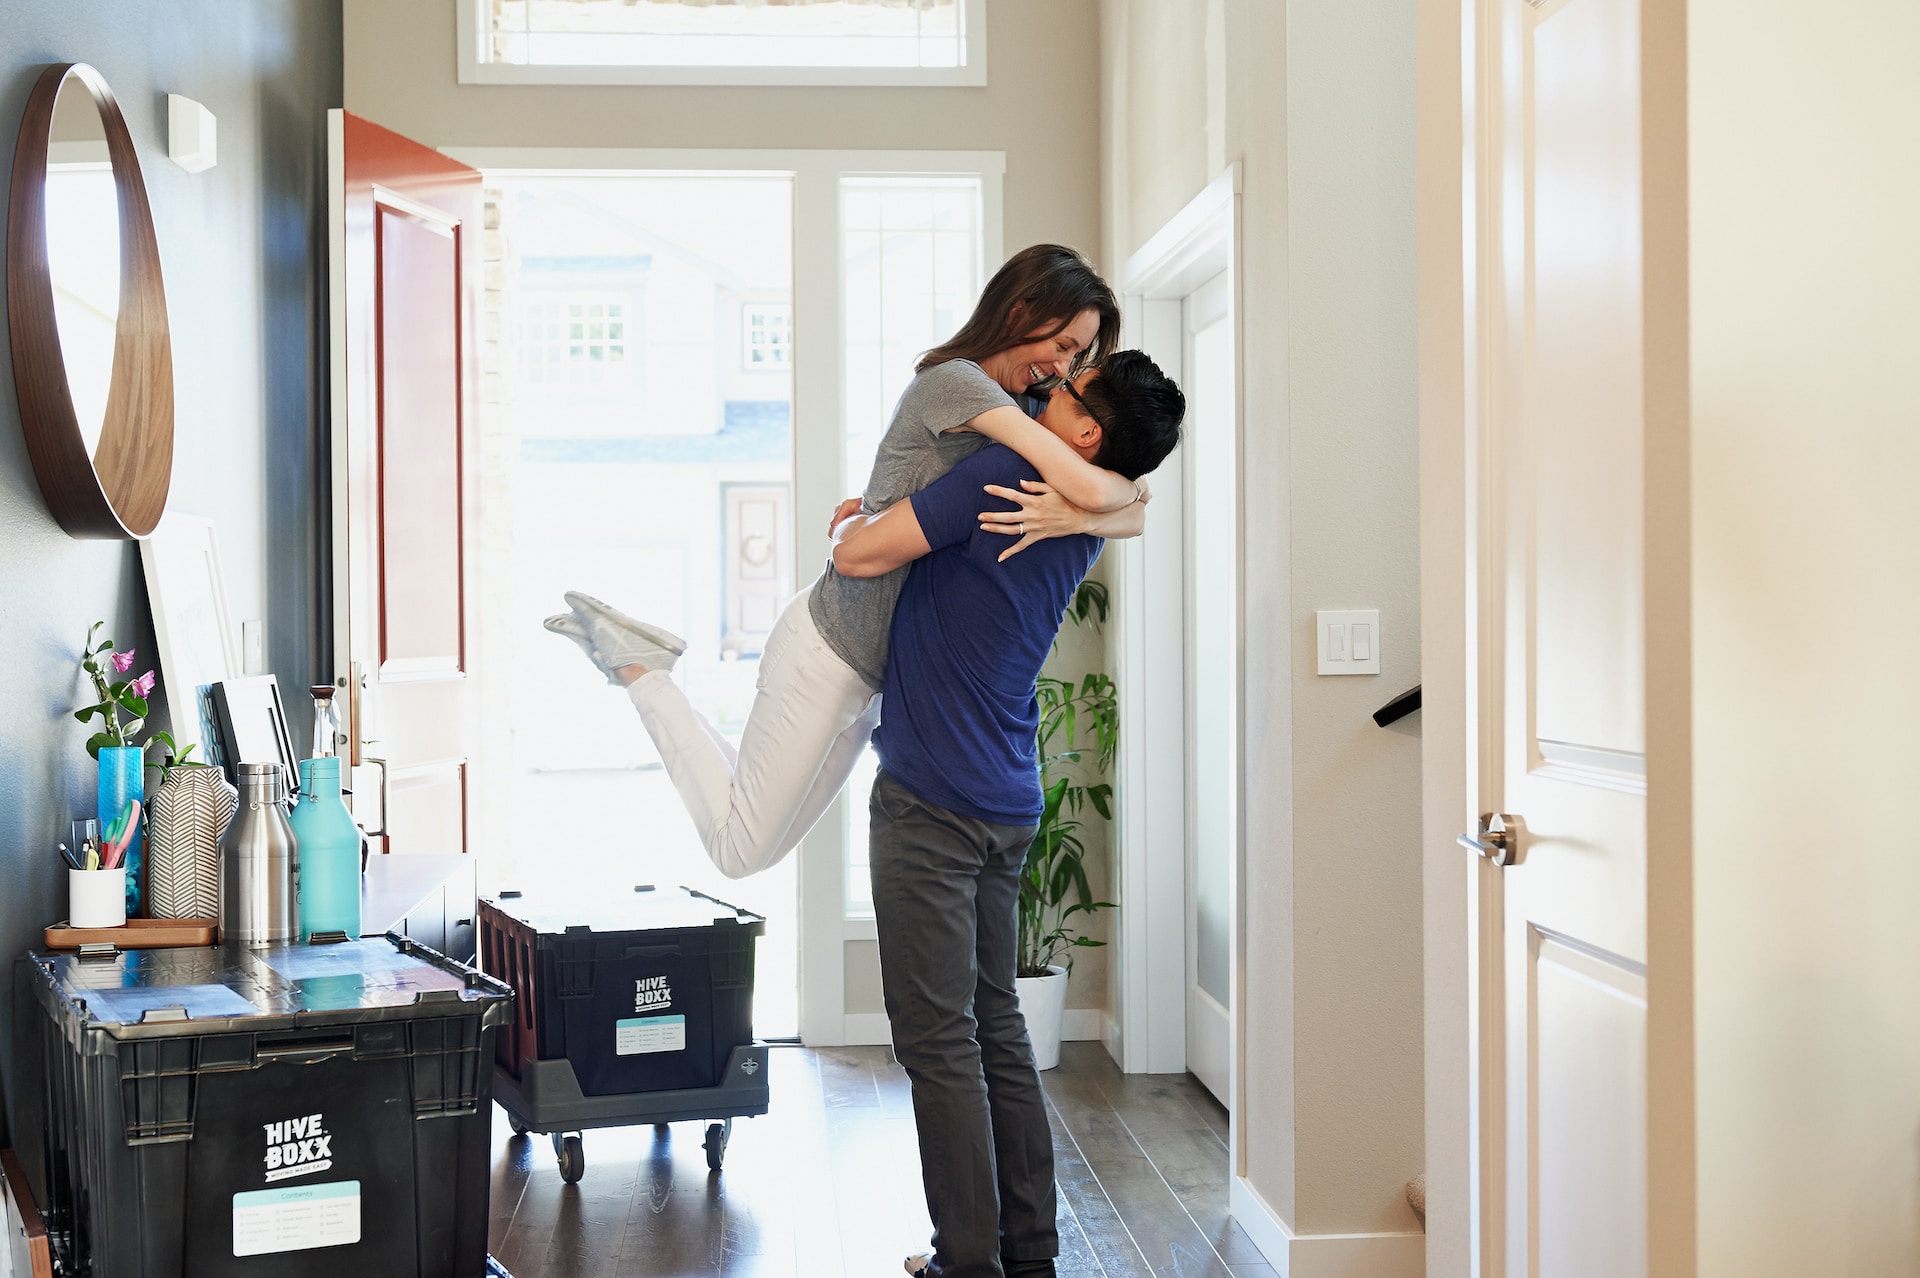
x: 828, y: 1183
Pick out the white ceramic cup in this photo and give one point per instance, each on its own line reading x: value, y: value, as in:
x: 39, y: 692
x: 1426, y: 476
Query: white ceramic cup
x: 97, y: 898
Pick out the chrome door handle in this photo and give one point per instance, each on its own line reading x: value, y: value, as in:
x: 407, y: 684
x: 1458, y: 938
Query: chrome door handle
x: 1498, y: 839
x: 384, y: 792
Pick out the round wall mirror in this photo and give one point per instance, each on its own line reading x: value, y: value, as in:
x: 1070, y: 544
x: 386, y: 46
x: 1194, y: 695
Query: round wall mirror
x: 92, y: 360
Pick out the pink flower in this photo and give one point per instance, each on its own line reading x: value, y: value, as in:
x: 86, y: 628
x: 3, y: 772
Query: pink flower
x: 143, y: 686
x: 123, y: 661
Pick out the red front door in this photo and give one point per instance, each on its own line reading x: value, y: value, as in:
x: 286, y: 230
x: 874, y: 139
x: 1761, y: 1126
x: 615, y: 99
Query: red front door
x: 406, y: 252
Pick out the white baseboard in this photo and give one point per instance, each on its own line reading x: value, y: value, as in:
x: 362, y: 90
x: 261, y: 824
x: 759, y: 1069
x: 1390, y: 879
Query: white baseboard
x: 1110, y: 1035
x: 1081, y: 1024
x: 1078, y: 1025
x: 868, y: 1029
x: 1323, y: 1255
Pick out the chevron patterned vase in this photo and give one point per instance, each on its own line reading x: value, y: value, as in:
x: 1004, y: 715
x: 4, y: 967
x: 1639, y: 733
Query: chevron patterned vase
x: 189, y: 814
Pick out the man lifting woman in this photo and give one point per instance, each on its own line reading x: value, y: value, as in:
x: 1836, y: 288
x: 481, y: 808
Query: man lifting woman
x: 958, y: 795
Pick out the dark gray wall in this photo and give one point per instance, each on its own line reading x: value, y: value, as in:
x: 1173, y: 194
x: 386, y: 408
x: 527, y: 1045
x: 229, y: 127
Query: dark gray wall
x: 243, y: 249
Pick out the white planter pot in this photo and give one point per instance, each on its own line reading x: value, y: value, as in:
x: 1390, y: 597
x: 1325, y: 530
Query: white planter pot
x: 1043, y: 1000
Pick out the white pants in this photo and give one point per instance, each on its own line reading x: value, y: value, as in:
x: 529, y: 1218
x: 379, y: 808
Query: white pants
x: 811, y: 716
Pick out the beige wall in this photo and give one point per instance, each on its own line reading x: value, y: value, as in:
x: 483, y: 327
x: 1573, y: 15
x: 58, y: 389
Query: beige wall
x: 1805, y: 434
x: 1038, y: 106
x: 1315, y: 100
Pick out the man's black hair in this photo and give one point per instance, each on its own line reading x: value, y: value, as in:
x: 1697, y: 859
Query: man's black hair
x: 1139, y: 409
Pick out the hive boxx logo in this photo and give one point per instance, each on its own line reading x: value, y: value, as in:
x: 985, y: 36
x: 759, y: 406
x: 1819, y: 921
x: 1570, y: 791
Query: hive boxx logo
x: 298, y: 1147
x: 652, y: 994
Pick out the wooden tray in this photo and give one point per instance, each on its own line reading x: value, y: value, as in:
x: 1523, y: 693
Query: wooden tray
x: 26, y: 1235
x: 138, y: 934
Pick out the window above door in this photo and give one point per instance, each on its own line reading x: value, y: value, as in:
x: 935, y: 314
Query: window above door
x: 743, y: 42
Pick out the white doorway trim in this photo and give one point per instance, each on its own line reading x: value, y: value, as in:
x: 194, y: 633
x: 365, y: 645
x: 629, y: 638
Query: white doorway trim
x: 1451, y: 461
x: 1198, y: 243
x: 819, y: 457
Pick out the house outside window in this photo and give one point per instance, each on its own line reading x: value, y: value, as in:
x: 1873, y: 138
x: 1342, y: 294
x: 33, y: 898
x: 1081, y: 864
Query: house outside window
x: 576, y: 342
x: 767, y: 340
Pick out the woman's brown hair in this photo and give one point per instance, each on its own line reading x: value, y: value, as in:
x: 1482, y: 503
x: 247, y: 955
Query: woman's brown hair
x: 1033, y: 297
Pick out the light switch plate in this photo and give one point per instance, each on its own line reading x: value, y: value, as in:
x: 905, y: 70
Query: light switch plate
x: 1348, y: 641
x: 192, y: 134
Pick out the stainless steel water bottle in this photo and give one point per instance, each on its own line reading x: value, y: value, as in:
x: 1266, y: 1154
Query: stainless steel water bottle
x: 259, y: 862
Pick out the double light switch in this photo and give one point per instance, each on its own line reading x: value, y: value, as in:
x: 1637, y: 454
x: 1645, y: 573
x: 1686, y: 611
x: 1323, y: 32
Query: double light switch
x: 1348, y: 641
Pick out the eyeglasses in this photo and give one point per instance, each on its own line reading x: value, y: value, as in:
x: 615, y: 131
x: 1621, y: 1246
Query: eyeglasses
x: 1066, y: 384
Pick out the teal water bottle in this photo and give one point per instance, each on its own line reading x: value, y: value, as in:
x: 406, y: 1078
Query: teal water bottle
x: 329, y: 853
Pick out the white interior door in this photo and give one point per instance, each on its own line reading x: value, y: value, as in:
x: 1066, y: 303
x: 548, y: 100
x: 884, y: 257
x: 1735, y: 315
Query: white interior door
x: 1562, y: 658
x: 1212, y: 607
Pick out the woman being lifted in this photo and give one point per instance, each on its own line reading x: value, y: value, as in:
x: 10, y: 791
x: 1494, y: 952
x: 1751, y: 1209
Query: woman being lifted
x: 1043, y: 317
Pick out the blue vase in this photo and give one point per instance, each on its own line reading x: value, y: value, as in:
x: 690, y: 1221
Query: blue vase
x: 122, y: 783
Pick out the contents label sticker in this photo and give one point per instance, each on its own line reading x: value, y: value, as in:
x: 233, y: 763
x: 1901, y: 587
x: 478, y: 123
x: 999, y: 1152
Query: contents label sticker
x: 641, y: 1034
x: 297, y: 1218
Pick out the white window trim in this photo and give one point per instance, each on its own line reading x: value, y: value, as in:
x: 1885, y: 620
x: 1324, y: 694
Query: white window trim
x: 819, y: 451
x: 475, y: 68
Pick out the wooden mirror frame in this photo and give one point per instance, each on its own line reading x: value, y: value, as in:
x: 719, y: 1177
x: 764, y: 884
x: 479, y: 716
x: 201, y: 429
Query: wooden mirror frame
x: 121, y: 490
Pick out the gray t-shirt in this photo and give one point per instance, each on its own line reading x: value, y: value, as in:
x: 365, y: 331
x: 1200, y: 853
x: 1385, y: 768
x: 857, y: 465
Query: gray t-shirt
x: 854, y: 613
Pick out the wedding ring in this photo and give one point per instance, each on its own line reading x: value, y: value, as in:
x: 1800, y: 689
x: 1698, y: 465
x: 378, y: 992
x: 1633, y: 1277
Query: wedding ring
x: 1022, y: 528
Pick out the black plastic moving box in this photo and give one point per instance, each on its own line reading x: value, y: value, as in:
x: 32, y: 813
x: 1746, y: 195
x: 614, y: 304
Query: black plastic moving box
x: 281, y: 1109
x: 630, y: 1008
x: 640, y: 994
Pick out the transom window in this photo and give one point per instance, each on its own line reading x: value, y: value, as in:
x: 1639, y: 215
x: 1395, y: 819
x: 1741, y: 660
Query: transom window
x: 574, y: 342
x: 723, y: 41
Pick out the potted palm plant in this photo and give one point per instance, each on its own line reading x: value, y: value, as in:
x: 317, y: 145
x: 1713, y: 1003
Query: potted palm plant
x: 1079, y: 729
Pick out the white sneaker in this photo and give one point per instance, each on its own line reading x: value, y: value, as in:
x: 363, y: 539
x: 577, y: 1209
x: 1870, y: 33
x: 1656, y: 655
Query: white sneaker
x: 618, y: 640
x: 919, y: 1263
x: 570, y: 625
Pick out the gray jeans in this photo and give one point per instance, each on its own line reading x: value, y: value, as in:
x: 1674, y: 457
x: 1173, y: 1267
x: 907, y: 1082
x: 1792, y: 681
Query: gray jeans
x: 945, y: 887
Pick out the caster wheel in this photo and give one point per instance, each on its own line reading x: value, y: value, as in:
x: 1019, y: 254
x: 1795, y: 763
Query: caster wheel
x: 716, y: 1143
x: 573, y: 1158
x: 519, y: 1128
x: 661, y: 1129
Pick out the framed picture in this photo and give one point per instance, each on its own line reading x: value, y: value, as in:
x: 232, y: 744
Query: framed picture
x: 252, y: 726
x: 188, y: 597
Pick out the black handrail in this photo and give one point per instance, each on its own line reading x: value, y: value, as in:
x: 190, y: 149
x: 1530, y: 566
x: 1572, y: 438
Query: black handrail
x: 1398, y: 708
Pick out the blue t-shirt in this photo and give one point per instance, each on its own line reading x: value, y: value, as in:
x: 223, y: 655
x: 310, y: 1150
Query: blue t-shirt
x: 969, y: 636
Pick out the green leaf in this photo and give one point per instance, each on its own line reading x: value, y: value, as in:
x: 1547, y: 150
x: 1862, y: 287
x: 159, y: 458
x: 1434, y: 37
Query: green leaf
x: 1081, y: 888
x: 1090, y: 598
x: 88, y: 713
x: 131, y: 702
x: 97, y: 742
